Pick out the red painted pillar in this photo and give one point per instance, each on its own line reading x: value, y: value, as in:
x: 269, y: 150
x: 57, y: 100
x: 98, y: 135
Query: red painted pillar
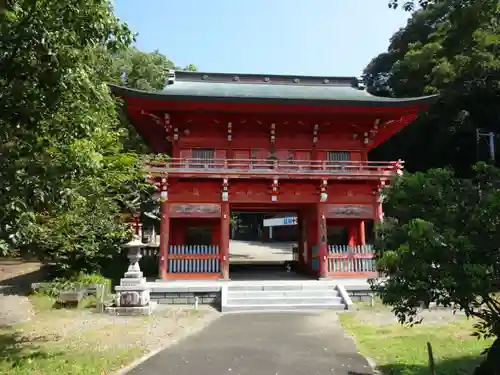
x: 224, y: 239
x: 322, y: 240
x: 379, y: 212
x: 303, y: 247
x: 351, y: 230
x: 362, y: 234
x: 164, y: 238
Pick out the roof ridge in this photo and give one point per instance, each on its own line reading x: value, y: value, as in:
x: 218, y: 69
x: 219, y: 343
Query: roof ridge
x: 272, y: 79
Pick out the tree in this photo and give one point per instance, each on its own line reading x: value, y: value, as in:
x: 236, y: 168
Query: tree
x: 440, y: 243
x: 452, y: 48
x: 411, y: 5
x: 408, y: 5
x: 64, y: 176
x: 140, y: 70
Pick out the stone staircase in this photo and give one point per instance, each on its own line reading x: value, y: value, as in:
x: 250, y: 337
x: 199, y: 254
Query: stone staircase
x: 281, y: 297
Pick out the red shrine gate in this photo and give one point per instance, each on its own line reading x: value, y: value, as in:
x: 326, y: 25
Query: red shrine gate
x: 267, y: 144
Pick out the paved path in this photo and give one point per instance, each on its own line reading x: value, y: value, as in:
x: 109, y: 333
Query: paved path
x: 256, y: 251
x: 262, y: 344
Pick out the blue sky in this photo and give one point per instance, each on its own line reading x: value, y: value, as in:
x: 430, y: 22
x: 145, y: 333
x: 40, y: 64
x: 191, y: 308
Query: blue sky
x: 311, y: 37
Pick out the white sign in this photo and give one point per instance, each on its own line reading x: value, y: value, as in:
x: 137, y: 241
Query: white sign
x: 280, y: 221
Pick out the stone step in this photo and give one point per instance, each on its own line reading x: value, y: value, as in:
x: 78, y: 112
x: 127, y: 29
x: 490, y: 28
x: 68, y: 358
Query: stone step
x: 282, y: 293
x: 271, y: 287
x: 275, y: 308
x: 293, y: 301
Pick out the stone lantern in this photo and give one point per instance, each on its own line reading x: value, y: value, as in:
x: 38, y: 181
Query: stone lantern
x: 132, y: 295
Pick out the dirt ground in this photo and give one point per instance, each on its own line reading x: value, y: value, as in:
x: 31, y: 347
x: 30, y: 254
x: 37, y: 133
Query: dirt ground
x: 16, y: 277
x: 80, y: 329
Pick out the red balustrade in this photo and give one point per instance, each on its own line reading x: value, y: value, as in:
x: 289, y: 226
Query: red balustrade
x: 275, y: 167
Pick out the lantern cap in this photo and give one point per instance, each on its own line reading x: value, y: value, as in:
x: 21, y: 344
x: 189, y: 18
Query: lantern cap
x: 134, y: 242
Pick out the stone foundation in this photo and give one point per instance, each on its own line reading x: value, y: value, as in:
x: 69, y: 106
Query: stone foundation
x: 187, y: 298
x: 360, y: 295
x: 132, y: 311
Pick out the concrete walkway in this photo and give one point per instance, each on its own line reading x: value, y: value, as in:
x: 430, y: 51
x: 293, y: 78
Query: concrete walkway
x: 263, y: 344
x: 255, y: 251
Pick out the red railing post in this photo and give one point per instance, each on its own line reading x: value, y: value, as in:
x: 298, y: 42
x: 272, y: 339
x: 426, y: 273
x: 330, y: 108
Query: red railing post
x: 164, y: 239
x: 224, y: 239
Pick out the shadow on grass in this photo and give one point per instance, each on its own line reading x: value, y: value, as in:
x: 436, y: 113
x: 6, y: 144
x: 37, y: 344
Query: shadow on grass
x: 451, y: 366
x: 16, y: 349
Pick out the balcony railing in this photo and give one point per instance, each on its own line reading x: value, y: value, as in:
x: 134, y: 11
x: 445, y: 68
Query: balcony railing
x: 206, y: 167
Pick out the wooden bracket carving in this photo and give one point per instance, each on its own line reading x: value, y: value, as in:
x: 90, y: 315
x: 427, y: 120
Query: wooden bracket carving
x: 165, y: 121
x: 229, y: 131
x: 272, y: 137
x: 315, y: 134
x: 378, y: 191
x: 275, y: 190
x: 323, y: 194
x: 225, y: 190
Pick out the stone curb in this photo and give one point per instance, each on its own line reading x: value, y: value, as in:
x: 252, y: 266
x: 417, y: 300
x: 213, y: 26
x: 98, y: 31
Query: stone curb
x: 370, y: 361
x: 144, y: 358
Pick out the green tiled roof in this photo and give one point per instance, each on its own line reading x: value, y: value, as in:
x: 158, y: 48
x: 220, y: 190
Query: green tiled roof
x: 195, y: 86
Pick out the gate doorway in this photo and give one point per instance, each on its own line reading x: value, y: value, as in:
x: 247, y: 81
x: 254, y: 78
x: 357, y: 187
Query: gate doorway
x: 264, y: 246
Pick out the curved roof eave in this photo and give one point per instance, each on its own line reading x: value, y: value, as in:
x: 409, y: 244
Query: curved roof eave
x: 271, y: 94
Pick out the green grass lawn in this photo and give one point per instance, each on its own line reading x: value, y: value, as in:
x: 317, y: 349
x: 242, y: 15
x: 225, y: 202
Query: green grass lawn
x: 400, y: 350
x: 37, y: 347
x: 44, y: 356
x: 77, y: 342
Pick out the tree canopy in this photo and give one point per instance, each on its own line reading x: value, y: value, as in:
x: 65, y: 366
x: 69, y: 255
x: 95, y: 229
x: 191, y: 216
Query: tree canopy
x: 440, y: 243
x: 143, y: 70
x: 64, y: 176
x: 450, y: 47
x: 69, y: 168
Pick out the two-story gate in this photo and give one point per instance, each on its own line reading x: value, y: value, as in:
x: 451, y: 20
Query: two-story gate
x: 267, y: 142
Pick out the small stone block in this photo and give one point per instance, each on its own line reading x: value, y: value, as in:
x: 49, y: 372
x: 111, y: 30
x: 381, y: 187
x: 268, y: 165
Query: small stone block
x: 132, y: 311
x: 132, y: 282
x: 134, y: 275
x: 70, y: 296
x: 130, y: 288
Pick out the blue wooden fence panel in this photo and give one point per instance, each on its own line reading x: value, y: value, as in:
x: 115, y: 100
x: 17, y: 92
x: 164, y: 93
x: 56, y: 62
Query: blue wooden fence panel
x: 194, y: 265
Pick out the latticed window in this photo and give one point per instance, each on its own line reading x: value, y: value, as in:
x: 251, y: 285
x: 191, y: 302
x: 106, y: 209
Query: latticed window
x: 339, y: 156
x: 203, y: 157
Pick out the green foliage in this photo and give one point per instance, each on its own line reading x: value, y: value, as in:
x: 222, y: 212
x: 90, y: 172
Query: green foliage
x: 409, y: 5
x: 440, y: 244
x: 141, y: 70
x: 61, y: 284
x: 190, y: 68
x: 64, y: 175
x: 412, y: 5
x: 450, y: 47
